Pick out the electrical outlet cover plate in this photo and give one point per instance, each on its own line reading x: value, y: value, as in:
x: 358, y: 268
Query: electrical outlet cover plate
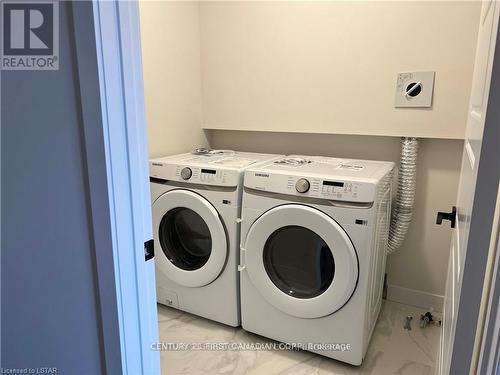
x: 421, y: 97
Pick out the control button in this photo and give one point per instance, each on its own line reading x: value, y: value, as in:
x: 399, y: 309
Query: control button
x: 186, y: 173
x: 302, y: 185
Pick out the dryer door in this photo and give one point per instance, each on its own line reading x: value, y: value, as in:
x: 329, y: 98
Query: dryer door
x: 301, y: 261
x: 191, y: 236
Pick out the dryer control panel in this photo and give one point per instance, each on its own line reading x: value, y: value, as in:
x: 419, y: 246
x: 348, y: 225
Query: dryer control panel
x: 313, y: 187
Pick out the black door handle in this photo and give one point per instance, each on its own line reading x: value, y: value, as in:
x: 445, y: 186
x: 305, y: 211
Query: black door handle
x: 149, y: 250
x: 451, y: 216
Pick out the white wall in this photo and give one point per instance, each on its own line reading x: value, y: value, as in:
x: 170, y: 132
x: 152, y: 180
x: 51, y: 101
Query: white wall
x: 422, y: 261
x: 330, y: 67
x: 170, y: 35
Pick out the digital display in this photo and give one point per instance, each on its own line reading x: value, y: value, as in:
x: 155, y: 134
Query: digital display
x: 211, y: 171
x: 333, y: 183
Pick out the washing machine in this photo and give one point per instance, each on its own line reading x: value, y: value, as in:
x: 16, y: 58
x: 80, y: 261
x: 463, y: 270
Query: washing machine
x: 313, y: 250
x: 196, y: 205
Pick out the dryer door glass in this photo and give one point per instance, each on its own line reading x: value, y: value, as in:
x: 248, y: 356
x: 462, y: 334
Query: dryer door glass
x: 185, y: 238
x: 298, y: 261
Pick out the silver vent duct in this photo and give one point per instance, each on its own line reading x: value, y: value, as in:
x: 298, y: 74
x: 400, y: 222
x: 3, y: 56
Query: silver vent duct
x: 405, y: 198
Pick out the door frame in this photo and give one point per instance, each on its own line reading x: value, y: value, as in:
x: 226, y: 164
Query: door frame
x: 116, y: 158
x: 488, y: 348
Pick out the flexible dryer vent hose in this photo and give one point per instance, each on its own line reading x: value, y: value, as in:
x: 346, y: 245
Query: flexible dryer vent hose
x: 403, y: 210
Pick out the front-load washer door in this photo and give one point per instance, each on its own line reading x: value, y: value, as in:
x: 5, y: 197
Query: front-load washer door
x: 191, y: 236
x: 301, y: 261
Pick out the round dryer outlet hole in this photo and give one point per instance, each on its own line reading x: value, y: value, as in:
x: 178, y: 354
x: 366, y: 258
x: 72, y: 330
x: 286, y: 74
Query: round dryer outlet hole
x: 415, y: 91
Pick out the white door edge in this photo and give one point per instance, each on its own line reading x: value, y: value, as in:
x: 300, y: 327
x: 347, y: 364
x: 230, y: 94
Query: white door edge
x: 118, y: 46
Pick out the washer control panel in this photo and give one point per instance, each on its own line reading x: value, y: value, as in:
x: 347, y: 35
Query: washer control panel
x: 201, y: 175
x: 193, y: 174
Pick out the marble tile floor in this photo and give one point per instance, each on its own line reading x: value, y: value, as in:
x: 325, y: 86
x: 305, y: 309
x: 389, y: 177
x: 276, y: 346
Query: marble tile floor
x: 392, y: 349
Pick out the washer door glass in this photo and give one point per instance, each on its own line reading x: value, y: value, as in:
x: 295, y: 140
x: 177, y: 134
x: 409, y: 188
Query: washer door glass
x: 298, y: 261
x: 192, y: 237
x: 185, y: 238
x: 301, y: 261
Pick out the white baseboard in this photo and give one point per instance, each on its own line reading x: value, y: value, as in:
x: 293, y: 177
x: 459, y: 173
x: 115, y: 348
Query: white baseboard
x: 414, y: 297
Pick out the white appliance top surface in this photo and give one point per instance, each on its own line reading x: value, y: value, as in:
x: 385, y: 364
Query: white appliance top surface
x: 227, y: 160
x: 326, y: 167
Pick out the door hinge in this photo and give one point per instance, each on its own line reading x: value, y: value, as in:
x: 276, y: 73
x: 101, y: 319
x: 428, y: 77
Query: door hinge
x: 149, y: 249
x: 242, y: 264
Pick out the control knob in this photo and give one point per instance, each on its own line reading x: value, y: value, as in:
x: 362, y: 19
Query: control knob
x: 186, y: 173
x: 302, y: 185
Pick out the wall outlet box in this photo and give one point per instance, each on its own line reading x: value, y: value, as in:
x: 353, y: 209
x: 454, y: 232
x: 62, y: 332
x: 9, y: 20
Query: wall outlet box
x: 414, y: 90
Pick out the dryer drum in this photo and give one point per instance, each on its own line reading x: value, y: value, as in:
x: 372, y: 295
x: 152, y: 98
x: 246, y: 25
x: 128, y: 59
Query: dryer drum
x: 298, y: 261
